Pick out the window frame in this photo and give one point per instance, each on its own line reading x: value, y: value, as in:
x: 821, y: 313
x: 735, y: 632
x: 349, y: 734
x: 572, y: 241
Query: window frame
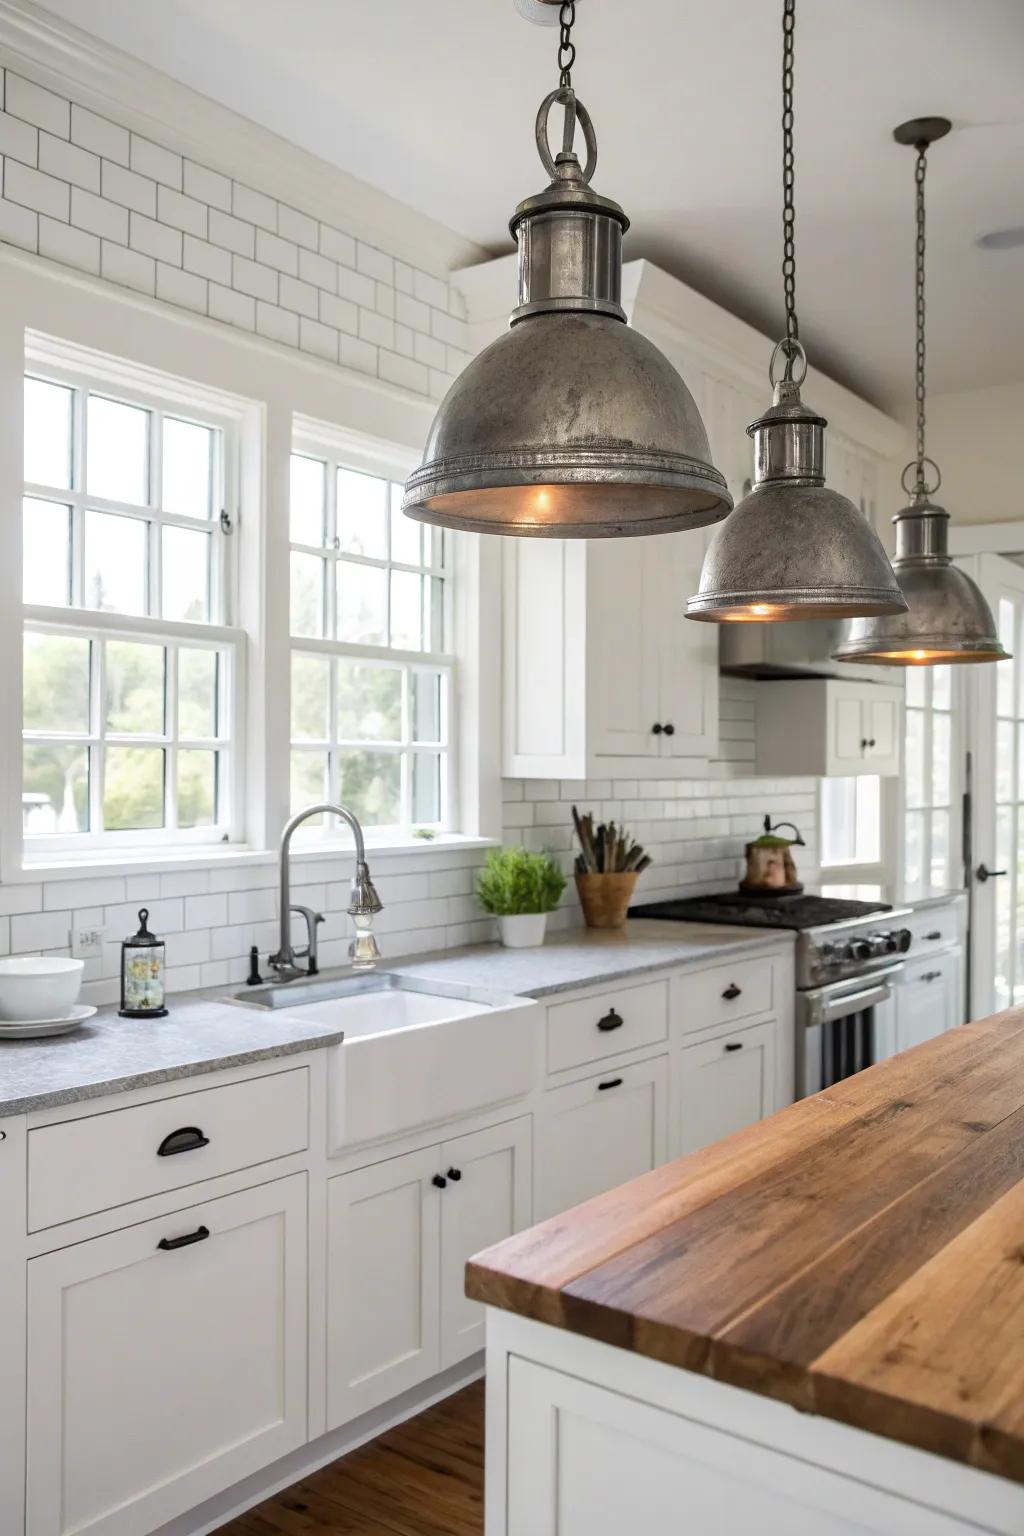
x: 339, y: 448
x: 163, y: 395
x: 926, y: 810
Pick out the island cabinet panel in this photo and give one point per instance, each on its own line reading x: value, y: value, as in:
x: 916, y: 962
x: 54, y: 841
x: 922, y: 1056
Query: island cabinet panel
x: 166, y: 1361
x: 583, y: 1460
x: 723, y: 1085
x: 593, y: 1135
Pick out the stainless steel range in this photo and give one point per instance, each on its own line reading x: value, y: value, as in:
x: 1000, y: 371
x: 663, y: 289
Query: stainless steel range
x: 847, y: 953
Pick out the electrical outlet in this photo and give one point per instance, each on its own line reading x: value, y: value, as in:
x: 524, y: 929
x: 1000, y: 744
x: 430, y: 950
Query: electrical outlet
x: 87, y: 943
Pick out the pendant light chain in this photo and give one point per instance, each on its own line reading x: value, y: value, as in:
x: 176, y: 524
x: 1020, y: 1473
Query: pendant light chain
x: 788, y: 180
x: 566, y: 46
x: 920, y: 168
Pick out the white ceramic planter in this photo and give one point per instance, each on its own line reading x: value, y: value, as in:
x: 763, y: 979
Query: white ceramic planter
x: 523, y: 931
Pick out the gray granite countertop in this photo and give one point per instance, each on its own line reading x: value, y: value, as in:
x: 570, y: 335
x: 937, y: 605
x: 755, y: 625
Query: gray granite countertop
x: 111, y: 1055
x: 203, y: 1033
x: 587, y: 957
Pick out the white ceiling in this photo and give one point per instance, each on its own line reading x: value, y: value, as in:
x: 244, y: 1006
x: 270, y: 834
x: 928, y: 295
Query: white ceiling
x: 433, y: 101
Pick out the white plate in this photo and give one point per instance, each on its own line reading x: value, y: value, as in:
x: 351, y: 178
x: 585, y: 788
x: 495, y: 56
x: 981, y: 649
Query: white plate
x: 28, y: 1029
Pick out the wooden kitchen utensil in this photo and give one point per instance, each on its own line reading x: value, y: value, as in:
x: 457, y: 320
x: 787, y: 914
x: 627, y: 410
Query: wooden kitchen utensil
x: 607, y: 867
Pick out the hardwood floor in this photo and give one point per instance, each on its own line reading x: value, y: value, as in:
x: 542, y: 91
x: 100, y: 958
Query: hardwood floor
x: 425, y: 1478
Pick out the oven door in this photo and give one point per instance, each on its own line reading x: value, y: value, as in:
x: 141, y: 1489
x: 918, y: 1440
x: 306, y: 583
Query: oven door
x: 842, y: 1028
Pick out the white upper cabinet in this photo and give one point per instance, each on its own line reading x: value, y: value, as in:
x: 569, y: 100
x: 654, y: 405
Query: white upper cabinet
x: 827, y: 727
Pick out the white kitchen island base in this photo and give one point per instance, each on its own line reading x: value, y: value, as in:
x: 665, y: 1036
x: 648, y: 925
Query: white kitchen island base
x: 584, y: 1439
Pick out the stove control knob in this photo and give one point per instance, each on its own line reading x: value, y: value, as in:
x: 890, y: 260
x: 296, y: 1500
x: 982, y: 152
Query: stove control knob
x: 892, y: 943
x: 860, y: 949
x: 904, y: 939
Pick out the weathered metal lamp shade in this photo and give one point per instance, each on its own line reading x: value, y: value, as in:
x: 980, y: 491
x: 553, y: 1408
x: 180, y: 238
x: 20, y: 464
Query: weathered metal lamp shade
x: 571, y: 425
x: 947, y: 618
x: 793, y: 549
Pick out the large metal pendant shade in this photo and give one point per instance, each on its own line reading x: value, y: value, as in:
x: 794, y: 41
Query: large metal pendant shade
x: 947, y: 617
x: 792, y: 548
x: 572, y: 424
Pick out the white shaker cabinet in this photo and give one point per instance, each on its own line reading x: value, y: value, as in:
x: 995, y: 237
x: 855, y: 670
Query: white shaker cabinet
x: 399, y: 1234
x: 828, y: 727
x: 724, y: 1084
x: 166, y: 1360
x: 927, y: 997
x: 603, y: 1131
x: 603, y: 673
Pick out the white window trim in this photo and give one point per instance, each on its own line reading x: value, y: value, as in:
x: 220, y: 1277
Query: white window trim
x: 365, y: 454
x: 874, y: 872
x: 162, y: 394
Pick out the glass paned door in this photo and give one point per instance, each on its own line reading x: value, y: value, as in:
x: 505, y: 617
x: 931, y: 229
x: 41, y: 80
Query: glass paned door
x: 996, y: 739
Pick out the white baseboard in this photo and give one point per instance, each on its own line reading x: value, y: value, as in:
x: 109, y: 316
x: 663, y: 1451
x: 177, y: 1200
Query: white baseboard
x: 217, y: 1511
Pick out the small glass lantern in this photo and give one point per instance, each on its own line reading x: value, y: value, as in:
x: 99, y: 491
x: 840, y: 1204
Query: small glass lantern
x: 142, y: 974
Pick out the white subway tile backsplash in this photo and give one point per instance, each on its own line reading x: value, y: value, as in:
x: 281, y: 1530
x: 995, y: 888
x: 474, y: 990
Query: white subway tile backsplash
x: 23, y: 98
x: 385, y: 301
x: 431, y: 290
x: 125, y: 187
x: 99, y: 135
x: 272, y: 251
x: 255, y: 207
x: 233, y: 234
x: 375, y: 263
x: 185, y: 289
x: 205, y: 260
x: 181, y: 212
x: 40, y: 930
x: 412, y: 313
x: 299, y: 296
x: 206, y: 911
x: 404, y: 340
x: 376, y: 328
x: 153, y: 160
x: 62, y: 242
x: 404, y: 371
x: 277, y: 324
x: 337, y: 246
x: 253, y: 278
x: 19, y: 139
x: 357, y: 287
x: 321, y: 340
x: 131, y: 269
x: 153, y: 239
x: 403, y: 277
x: 99, y: 216
x: 340, y: 313
x: 60, y: 158
x: 353, y: 353
x: 427, y: 349
x: 34, y: 189
x: 207, y: 186
x: 446, y: 328
x: 318, y: 270
x: 237, y: 309
x: 297, y: 226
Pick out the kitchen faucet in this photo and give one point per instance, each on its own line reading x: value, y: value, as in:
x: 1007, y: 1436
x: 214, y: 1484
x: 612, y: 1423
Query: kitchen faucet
x: 363, y: 906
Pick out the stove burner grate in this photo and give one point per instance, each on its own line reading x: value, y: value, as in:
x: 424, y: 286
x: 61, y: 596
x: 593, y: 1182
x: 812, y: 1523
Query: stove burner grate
x: 744, y: 910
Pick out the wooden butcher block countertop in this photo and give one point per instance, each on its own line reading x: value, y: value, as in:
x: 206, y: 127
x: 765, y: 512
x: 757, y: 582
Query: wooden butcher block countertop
x: 859, y: 1255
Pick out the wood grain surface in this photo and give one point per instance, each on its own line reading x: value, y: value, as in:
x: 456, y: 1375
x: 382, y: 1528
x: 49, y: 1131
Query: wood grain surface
x: 859, y: 1255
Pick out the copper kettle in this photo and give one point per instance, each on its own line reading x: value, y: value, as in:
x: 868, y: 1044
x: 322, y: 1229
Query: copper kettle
x: 771, y: 868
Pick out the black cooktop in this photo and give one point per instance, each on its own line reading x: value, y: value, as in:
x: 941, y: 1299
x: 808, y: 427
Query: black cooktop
x: 748, y: 911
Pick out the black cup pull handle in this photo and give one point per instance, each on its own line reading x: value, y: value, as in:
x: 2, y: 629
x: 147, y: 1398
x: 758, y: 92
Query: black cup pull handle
x: 611, y: 1020
x: 732, y: 991
x: 455, y: 1174
x: 188, y: 1139
x: 168, y: 1244
x: 439, y: 1181
x: 614, y: 1082
x: 734, y: 1045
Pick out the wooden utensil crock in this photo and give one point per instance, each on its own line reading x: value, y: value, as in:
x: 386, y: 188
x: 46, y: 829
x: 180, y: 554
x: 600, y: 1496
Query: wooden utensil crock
x: 605, y: 899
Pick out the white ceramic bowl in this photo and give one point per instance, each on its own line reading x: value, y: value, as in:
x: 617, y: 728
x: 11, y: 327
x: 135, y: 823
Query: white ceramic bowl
x: 39, y: 986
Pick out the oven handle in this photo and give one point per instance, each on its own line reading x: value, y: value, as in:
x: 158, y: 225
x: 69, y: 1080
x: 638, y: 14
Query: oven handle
x: 821, y: 1010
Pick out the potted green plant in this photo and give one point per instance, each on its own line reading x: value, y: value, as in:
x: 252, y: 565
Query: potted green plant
x: 520, y: 888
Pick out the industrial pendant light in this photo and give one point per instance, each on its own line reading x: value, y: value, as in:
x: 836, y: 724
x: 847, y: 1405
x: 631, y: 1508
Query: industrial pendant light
x: 792, y: 549
x: 571, y: 424
x: 947, y: 618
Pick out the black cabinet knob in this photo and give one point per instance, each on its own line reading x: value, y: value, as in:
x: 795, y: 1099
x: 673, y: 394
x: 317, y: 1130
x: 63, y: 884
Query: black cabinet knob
x: 732, y: 991
x: 656, y: 729
x: 455, y: 1174
x: 439, y: 1181
x: 670, y: 729
x: 610, y: 1021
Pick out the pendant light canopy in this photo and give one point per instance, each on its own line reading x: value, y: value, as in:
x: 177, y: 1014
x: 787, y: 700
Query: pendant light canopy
x: 947, y: 619
x: 572, y: 424
x: 792, y: 549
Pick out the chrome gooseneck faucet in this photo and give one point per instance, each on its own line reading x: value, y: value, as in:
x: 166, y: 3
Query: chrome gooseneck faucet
x: 363, y: 905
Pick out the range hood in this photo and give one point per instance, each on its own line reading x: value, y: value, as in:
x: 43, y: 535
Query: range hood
x: 768, y: 652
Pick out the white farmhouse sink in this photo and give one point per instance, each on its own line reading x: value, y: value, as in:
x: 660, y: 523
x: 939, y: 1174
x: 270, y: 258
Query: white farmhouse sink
x: 415, y: 1053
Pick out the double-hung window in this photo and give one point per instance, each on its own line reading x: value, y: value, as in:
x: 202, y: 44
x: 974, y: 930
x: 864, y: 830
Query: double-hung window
x: 928, y: 780
x: 371, y: 670
x: 131, y: 674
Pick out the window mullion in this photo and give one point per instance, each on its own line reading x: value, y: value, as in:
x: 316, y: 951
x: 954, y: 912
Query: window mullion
x: 97, y: 724
x: 171, y: 733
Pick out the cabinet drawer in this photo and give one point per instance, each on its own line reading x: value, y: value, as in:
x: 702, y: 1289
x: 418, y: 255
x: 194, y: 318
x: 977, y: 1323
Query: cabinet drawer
x: 935, y: 928
x: 725, y: 994
x: 592, y: 1028
x: 92, y: 1164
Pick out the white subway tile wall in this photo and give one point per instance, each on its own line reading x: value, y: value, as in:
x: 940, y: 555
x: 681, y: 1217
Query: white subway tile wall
x: 695, y: 830
x: 86, y: 192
